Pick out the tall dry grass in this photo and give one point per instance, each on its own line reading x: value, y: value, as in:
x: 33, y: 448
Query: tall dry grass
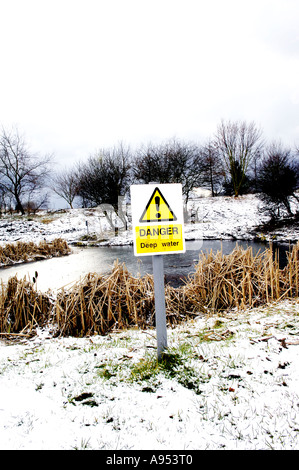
x: 28, y: 251
x: 241, y: 279
x: 22, y: 308
x: 98, y: 303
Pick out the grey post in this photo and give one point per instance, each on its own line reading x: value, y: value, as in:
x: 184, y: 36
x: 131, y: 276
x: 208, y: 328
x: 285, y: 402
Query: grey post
x: 158, y: 270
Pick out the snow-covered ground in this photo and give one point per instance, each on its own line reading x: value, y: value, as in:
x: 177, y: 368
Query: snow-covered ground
x: 233, y: 385
x: 209, y: 218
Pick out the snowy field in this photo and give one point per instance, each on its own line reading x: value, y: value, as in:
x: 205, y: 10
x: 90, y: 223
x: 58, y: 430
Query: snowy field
x: 233, y: 384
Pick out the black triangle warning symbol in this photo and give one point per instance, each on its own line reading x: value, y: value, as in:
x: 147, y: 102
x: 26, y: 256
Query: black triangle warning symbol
x: 157, y: 209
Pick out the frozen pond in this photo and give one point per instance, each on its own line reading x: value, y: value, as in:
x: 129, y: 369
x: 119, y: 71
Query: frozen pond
x: 58, y: 272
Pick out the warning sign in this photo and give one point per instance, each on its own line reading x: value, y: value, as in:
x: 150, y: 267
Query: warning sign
x: 162, y: 239
x: 157, y: 209
x: 157, y: 229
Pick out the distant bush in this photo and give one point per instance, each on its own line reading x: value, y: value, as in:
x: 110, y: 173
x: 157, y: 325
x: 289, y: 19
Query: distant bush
x: 278, y: 180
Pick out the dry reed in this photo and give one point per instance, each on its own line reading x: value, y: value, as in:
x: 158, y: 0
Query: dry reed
x: 22, y: 307
x: 242, y: 279
x: 98, y: 303
x: 28, y: 251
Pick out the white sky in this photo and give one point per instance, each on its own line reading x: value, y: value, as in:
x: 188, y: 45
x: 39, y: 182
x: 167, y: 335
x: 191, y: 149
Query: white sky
x: 77, y: 75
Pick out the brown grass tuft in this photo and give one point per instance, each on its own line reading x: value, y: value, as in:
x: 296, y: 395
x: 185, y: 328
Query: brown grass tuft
x: 241, y: 279
x: 22, y: 307
x: 28, y: 251
x: 98, y: 303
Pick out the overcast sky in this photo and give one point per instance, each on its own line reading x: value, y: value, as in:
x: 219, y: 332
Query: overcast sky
x: 78, y: 75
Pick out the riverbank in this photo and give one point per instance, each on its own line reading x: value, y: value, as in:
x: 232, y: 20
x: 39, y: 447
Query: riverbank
x: 217, y: 218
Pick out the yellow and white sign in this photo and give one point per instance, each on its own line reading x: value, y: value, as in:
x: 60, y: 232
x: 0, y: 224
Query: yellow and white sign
x: 157, y: 219
x: 157, y: 209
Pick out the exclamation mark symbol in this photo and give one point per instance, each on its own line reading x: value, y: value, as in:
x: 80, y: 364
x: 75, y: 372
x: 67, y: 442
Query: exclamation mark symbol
x: 157, y: 202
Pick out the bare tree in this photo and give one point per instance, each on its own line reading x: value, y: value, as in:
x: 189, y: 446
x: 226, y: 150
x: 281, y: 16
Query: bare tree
x: 212, y: 174
x: 22, y: 173
x: 238, y: 143
x: 66, y: 185
x: 169, y: 162
x: 39, y: 202
x: 278, y: 179
x: 104, y: 178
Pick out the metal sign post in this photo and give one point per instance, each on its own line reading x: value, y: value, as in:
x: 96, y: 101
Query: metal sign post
x: 160, y: 314
x: 158, y: 229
